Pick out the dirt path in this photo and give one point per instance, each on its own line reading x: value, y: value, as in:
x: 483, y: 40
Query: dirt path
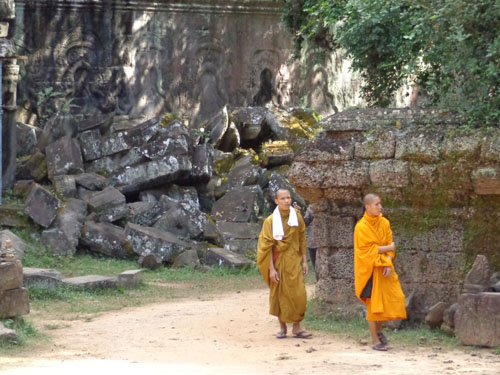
x: 227, y: 334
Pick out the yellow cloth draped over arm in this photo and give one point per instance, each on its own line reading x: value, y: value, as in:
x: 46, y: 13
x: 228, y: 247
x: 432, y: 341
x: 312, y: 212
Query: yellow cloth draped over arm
x: 287, y: 298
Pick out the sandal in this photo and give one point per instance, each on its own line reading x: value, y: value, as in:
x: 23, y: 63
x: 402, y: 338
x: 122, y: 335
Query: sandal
x: 380, y: 347
x: 382, y: 338
x: 303, y: 335
x: 281, y: 335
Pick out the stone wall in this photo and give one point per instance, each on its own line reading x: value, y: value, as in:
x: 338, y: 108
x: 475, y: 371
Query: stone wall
x: 440, y: 189
x: 190, y: 57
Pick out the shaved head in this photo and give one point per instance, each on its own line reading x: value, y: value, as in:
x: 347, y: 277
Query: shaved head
x: 281, y: 191
x: 368, y: 199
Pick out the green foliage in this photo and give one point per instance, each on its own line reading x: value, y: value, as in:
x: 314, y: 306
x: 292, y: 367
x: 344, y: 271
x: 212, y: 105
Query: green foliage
x: 46, y: 104
x: 25, y: 331
x: 449, y: 48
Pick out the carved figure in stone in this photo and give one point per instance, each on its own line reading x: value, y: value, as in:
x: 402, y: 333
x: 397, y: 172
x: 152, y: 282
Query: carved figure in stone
x: 266, y: 92
x: 319, y: 98
x: 263, y: 64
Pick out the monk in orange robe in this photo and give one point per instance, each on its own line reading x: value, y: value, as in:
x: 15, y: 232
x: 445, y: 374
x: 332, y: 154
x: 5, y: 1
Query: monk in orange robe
x: 282, y: 262
x: 375, y: 281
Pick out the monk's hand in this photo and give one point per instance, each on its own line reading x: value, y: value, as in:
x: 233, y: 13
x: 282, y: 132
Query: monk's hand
x: 305, y: 268
x: 296, y: 206
x: 387, y: 271
x: 273, y: 276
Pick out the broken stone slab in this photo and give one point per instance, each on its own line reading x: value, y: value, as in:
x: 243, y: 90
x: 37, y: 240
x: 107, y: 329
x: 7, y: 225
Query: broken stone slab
x: 151, y: 261
x: 202, y: 163
x: 10, y: 217
x: 41, y: 206
x: 7, y: 334
x: 105, y: 166
x: 223, y: 257
x: 138, y: 210
x: 479, y: 273
x: 434, y: 316
x: 211, y: 234
x: 94, y: 121
x: 152, y: 174
x: 275, y: 154
x: 65, y: 232
x: 239, y: 237
x: 241, y: 204
x: 146, y: 240
x: 27, y: 138
x: 18, y: 245
x: 278, y: 181
x: 14, y: 303
x: 22, y: 188
x: 245, y: 173
x: 230, y: 141
x: 33, y: 167
x: 96, y: 146
x: 130, y: 278
x: 449, y: 315
x: 476, y: 319
x: 33, y: 275
x: 188, y: 258
x: 56, y: 127
x: 91, y: 282
x: 64, y: 186
x: 249, y: 121
x: 105, y: 238
x: 91, y: 181
x: 131, y: 157
x: 164, y: 145
x: 215, y: 127
x: 486, y: 180
x: 64, y: 157
x: 11, y: 275
x: 109, y: 205
x: 183, y: 193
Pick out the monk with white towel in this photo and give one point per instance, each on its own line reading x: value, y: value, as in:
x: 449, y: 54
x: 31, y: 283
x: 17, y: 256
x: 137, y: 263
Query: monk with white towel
x: 282, y: 262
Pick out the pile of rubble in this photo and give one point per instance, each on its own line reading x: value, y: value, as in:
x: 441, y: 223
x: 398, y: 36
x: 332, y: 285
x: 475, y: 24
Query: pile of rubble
x: 474, y: 318
x: 155, y: 189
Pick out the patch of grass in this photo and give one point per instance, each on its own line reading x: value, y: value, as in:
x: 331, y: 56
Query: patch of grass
x: 320, y: 317
x: 497, y: 350
x: 26, y: 333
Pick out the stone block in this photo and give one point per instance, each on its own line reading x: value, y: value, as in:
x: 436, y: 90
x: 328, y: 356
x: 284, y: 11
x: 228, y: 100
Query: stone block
x: 423, y: 174
x: 14, y: 303
x: 164, y: 145
x: 344, y: 195
x: 486, y: 180
x: 245, y: 173
x: 57, y: 242
x: 476, y: 319
x: 146, y: 240
x: 152, y: 174
x: 183, y: 219
x: 434, y: 317
x: 335, y: 263
x: 238, y: 231
x: 390, y: 173
x: 41, y: 206
x: 9, y: 216
x: 7, y: 334
x: 230, y: 141
x: 239, y: 205
x: 479, y: 273
x: 380, y: 145
x: 202, y: 162
x: 18, y: 245
x: 41, y: 275
x: 352, y: 174
x: 105, y: 238
x: 91, y: 181
x: 327, y: 150
x: 333, y: 231
x: 95, y: 146
x: 91, y: 282
x: 11, y: 275
x: 449, y: 315
x: 461, y: 147
x: 64, y: 157
x: 188, y: 258
x: 151, y: 261
x: 490, y: 150
x: 32, y: 167
x: 308, y: 176
x: 27, y: 138
x: 419, y: 146
x: 249, y: 121
x: 139, y: 212
x: 130, y: 278
x: 22, y: 188
x: 64, y: 186
x: 276, y: 153
x: 109, y: 205
x: 223, y: 257
x: 106, y: 165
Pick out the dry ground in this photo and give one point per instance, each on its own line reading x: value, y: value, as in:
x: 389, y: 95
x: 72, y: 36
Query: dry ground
x: 230, y: 333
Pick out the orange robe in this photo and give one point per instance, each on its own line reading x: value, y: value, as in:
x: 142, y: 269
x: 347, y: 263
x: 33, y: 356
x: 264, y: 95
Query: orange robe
x: 288, y: 298
x: 387, y: 300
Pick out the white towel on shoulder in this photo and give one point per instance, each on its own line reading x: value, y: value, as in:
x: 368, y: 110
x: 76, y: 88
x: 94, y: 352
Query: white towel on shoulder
x: 293, y: 221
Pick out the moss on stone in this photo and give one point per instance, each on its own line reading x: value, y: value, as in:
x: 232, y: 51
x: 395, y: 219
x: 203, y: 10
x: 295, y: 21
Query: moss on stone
x: 167, y: 118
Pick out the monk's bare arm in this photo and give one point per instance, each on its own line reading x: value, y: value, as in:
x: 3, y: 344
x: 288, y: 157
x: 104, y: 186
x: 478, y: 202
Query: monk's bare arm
x: 273, y: 274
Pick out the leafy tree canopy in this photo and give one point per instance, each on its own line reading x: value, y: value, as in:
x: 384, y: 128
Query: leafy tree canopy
x: 449, y: 48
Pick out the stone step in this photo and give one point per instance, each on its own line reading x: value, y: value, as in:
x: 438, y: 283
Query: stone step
x: 223, y: 257
x: 34, y: 275
x: 91, y: 282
